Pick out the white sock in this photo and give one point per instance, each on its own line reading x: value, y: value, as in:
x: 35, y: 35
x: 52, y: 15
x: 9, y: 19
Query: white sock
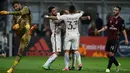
x: 78, y: 57
x: 66, y: 59
x: 50, y: 60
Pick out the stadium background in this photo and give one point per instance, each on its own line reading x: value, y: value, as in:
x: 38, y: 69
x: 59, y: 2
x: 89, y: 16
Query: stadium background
x: 40, y: 46
x: 40, y: 43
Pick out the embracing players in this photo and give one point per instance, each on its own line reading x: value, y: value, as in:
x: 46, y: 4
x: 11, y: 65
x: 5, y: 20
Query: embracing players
x: 55, y: 37
x: 72, y: 34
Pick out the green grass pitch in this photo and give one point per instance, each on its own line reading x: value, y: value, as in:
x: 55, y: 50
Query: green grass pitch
x: 90, y: 65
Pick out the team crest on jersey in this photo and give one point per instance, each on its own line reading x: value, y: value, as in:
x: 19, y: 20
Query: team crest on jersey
x: 110, y: 21
x: 116, y: 22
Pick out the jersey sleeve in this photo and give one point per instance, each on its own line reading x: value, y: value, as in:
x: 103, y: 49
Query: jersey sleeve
x: 81, y: 13
x: 122, y: 25
x: 62, y: 17
x: 25, y: 10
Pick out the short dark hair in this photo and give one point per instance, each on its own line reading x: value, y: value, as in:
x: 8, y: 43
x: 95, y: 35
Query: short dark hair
x: 50, y: 9
x: 15, y: 2
x: 72, y: 9
x: 62, y: 12
x: 118, y: 7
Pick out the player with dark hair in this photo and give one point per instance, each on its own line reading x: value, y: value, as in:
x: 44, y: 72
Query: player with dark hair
x: 72, y: 34
x: 55, y: 38
x: 114, y: 26
x: 21, y: 25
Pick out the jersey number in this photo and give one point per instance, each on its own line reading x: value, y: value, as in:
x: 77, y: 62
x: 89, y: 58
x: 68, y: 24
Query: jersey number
x: 72, y: 26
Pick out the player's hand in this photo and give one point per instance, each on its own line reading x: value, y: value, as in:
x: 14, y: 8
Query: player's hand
x: 126, y: 42
x: 97, y: 32
x: 46, y: 16
x: 4, y: 12
x: 16, y: 26
x: 89, y: 18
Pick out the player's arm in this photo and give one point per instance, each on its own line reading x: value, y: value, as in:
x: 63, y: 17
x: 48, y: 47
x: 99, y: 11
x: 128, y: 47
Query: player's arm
x: 62, y: 17
x: 51, y: 17
x: 103, y: 29
x: 85, y: 18
x: 122, y: 28
x: 81, y: 13
x: 125, y: 35
x: 24, y: 11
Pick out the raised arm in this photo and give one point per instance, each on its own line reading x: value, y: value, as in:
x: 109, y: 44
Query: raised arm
x: 51, y: 17
x: 23, y: 11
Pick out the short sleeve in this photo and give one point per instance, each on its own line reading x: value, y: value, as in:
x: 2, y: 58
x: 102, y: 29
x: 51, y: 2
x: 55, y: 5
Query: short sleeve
x: 122, y: 25
x: 81, y: 13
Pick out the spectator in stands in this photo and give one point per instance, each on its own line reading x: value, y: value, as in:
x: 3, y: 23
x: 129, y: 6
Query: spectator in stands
x: 92, y: 29
x: 85, y: 25
x: 3, y: 40
x: 98, y: 22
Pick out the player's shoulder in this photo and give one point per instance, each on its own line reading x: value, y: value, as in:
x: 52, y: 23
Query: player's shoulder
x: 25, y: 7
x: 121, y: 18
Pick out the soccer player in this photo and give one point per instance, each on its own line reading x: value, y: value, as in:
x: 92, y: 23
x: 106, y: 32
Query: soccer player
x: 21, y: 25
x: 55, y: 38
x: 114, y: 26
x: 72, y: 34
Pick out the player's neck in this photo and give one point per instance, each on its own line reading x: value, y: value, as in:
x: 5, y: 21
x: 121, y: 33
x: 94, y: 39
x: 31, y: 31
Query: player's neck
x: 116, y: 16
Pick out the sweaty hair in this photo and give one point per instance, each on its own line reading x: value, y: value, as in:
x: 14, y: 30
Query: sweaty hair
x: 72, y: 9
x: 15, y: 2
x: 50, y: 9
x: 118, y: 7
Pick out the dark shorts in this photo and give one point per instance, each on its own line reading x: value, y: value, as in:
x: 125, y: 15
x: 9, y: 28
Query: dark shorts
x: 112, y: 46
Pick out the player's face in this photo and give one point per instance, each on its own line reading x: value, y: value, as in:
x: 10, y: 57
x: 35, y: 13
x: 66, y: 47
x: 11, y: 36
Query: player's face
x: 116, y: 11
x: 54, y: 11
x: 17, y: 7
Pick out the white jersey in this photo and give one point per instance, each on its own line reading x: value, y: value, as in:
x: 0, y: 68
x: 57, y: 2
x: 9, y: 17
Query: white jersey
x: 56, y: 35
x: 53, y: 26
x: 71, y: 22
x: 72, y: 30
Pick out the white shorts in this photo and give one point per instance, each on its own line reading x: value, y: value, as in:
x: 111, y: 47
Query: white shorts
x: 56, y: 43
x: 71, y: 41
